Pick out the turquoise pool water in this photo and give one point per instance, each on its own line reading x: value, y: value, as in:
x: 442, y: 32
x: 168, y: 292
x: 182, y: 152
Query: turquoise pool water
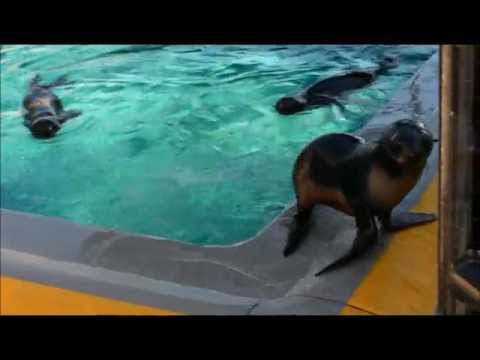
x: 176, y: 141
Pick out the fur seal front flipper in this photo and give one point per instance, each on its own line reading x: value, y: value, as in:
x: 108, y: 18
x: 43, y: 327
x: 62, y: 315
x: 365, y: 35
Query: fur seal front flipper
x: 322, y: 99
x: 405, y: 220
x: 363, y: 241
x: 298, y: 230
x: 67, y: 115
x: 367, y: 232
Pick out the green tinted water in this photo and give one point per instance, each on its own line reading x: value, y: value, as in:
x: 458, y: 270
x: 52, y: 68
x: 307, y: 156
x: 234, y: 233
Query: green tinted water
x: 176, y: 141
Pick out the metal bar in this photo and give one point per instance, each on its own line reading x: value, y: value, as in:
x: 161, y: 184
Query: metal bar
x: 445, y: 196
x: 469, y: 293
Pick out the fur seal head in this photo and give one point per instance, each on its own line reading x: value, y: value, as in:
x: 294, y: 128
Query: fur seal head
x: 44, y: 125
x: 407, y: 142
x: 290, y: 105
x: 388, y: 62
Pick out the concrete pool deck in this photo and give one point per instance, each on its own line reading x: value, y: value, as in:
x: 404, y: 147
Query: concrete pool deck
x: 251, y: 277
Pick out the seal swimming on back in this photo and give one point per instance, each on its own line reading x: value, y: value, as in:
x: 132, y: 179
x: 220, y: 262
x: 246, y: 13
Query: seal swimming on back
x: 324, y: 92
x: 360, y: 179
x: 43, y: 111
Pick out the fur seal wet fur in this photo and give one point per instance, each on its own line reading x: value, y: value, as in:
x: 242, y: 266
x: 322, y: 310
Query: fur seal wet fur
x: 364, y: 180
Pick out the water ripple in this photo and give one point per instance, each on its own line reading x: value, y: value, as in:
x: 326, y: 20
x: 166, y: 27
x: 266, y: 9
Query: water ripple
x: 176, y: 141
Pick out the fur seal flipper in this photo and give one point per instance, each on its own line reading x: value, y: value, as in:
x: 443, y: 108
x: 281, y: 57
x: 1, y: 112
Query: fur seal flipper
x: 405, y: 220
x: 299, y: 231
x: 367, y: 235
x: 60, y: 81
x: 361, y: 244
x: 324, y: 99
x: 67, y: 115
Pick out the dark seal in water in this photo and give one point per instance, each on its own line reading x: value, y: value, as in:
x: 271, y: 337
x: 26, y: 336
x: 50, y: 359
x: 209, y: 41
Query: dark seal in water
x: 325, y: 92
x: 43, y: 111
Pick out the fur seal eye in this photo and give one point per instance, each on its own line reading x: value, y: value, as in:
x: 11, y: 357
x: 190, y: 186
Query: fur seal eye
x: 394, y: 137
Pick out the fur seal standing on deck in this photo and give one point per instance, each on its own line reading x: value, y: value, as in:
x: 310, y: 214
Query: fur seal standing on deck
x: 324, y: 92
x: 43, y: 110
x: 363, y: 180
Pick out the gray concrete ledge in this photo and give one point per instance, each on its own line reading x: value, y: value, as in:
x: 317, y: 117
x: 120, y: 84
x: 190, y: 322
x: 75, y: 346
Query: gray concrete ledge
x: 251, y: 277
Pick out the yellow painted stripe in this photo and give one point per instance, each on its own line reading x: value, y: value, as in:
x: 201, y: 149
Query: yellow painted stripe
x: 404, y: 279
x: 20, y: 297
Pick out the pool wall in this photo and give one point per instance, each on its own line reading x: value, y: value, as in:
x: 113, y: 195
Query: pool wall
x: 251, y: 277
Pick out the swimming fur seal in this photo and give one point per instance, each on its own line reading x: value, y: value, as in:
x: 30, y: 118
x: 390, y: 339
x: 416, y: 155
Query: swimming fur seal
x: 363, y: 180
x: 324, y: 92
x: 43, y: 111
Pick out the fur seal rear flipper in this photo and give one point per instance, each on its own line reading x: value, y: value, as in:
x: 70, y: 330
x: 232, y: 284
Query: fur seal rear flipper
x: 405, y: 220
x: 60, y: 81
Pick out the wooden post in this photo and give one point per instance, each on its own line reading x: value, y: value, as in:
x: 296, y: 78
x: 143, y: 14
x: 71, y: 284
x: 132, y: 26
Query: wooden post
x: 455, y: 165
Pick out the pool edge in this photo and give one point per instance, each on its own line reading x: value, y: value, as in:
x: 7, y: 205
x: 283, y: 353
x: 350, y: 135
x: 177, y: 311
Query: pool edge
x: 92, y: 269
